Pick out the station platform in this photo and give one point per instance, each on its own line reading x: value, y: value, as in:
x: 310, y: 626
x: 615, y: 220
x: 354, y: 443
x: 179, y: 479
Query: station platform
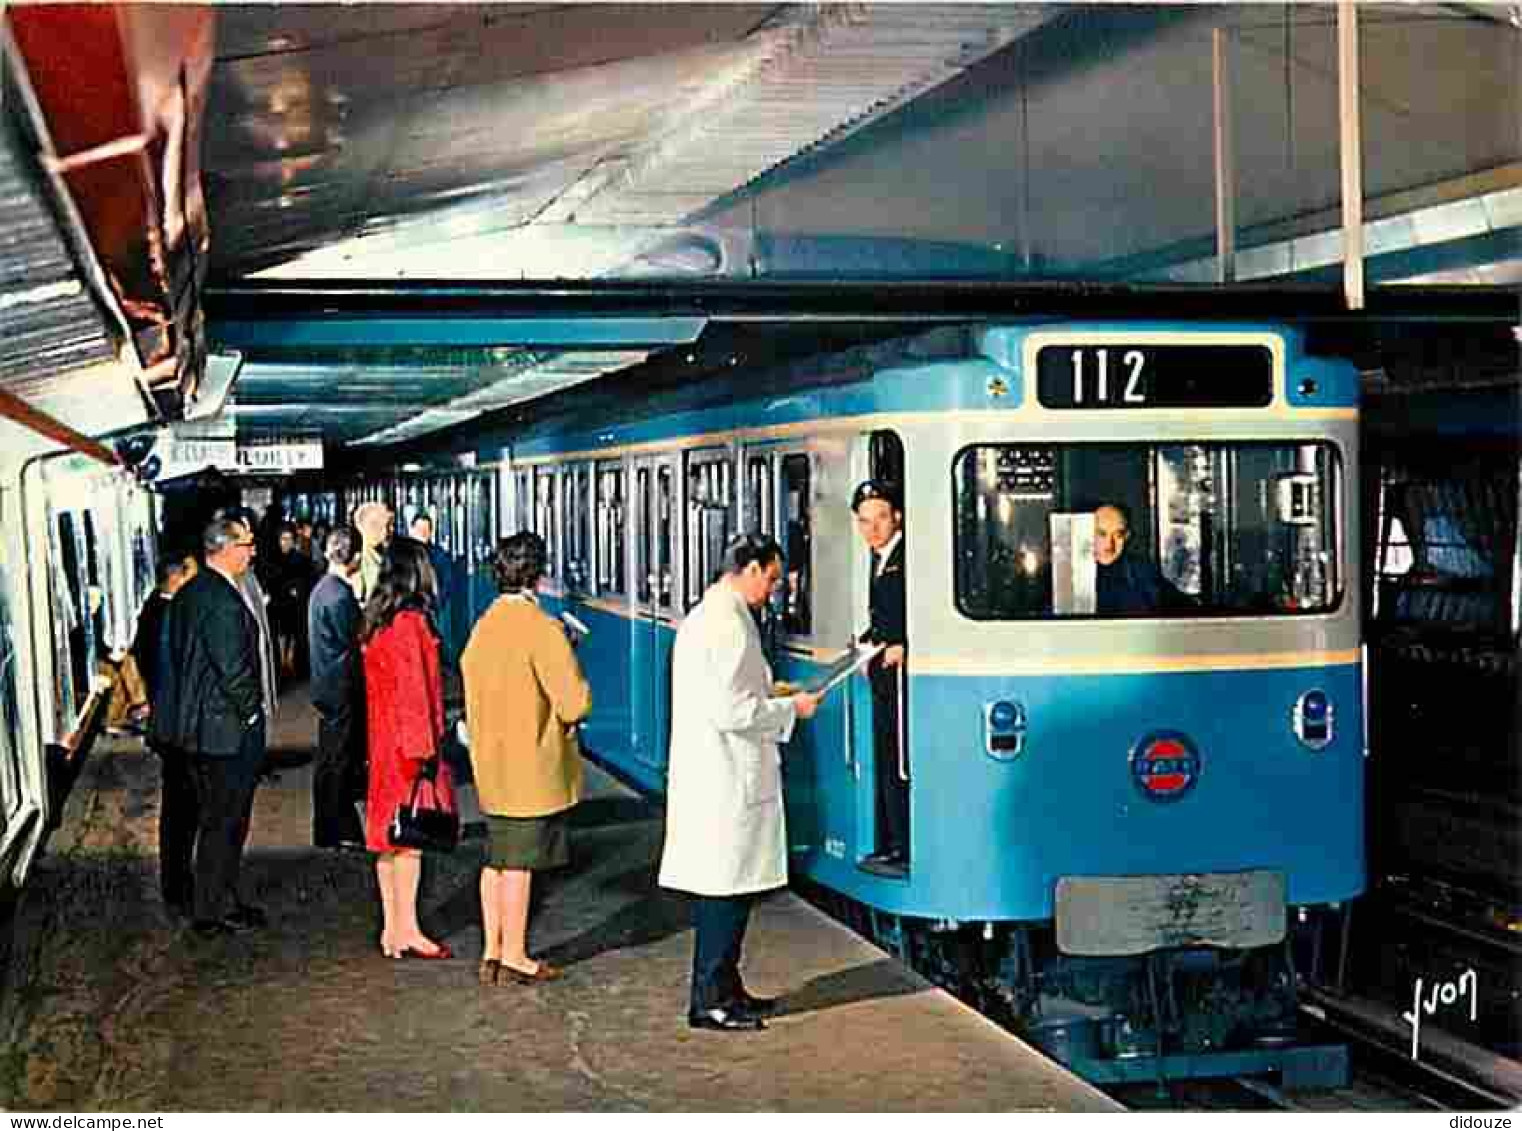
x: 113, y: 1006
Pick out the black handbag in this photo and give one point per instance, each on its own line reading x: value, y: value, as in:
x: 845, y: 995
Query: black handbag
x: 430, y: 827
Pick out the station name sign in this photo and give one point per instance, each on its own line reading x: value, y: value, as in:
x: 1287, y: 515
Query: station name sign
x: 299, y: 455
x: 1149, y: 375
x: 182, y: 456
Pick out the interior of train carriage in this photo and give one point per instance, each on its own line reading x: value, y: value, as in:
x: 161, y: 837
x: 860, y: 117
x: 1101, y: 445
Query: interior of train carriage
x: 301, y: 256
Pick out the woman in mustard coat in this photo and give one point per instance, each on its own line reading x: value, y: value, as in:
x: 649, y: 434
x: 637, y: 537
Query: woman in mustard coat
x: 524, y: 692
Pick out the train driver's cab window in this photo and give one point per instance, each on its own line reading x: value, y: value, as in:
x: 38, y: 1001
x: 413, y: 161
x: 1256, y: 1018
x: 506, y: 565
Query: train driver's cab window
x: 1150, y: 530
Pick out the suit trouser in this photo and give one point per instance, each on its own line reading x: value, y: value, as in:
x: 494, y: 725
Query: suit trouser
x: 225, y: 794
x: 177, y: 825
x: 335, y: 780
x: 892, y: 791
x: 720, y: 923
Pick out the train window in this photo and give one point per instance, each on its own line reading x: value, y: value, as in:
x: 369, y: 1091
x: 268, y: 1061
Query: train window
x: 610, y: 529
x: 70, y: 611
x: 482, y: 522
x: 1159, y: 530
x: 796, y: 546
x: 760, y: 497
x: 576, y: 511
x: 644, y: 538
x: 544, y: 517
x: 10, y: 708
x: 664, y: 544
x: 1443, y: 550
x: 708, y: 523
x: 522, y: 514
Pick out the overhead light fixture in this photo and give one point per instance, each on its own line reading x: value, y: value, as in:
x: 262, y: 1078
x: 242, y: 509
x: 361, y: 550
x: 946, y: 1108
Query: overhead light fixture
x: 217, y: 379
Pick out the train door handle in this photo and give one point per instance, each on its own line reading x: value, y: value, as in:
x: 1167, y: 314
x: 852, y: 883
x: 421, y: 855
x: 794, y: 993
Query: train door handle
x: 903, y: 736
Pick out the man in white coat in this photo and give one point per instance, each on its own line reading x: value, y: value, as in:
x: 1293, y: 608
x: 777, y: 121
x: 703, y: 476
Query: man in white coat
x: 725, y: 835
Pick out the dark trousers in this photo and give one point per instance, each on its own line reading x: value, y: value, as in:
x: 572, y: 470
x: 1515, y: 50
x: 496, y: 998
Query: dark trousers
x: 177, y: 826
x: 337, y: 780
x: 225, y: 795
x: 892, y: 790
x: 720, y: 923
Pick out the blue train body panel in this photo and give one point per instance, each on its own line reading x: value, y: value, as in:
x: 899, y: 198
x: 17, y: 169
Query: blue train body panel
x: 991, y: 837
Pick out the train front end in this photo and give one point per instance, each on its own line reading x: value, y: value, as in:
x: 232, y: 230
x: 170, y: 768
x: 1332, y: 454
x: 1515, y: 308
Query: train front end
x: 1136, y: 719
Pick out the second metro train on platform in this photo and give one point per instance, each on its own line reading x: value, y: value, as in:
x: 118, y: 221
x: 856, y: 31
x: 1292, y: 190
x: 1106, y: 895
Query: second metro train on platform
x: 1130, y: 835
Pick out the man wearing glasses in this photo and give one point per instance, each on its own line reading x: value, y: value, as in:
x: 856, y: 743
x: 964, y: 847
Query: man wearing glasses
x: 213, y: 711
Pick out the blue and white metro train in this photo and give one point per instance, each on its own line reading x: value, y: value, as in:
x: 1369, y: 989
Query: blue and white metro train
x: 1126, y: 831
x: 76, y: 563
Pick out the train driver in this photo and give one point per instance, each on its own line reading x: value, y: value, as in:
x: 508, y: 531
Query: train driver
x: 878, y: 507
x: 1127, y: 584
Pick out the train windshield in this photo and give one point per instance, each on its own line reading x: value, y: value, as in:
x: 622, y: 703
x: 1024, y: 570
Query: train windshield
x: 1175, y: 529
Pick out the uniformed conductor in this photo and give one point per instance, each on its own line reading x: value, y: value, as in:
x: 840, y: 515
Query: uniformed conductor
x: 878, y: 507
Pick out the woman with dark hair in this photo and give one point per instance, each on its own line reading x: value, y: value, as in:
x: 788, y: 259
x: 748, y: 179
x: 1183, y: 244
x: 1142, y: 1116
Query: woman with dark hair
x: 524, y: 694
x: 404, y: 714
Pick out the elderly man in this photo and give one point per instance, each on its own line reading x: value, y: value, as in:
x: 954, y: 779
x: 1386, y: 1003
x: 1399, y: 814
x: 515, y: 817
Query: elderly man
x: 211, y: 708
x: 1126, y: 585
x: 373, y: 520
x: 726, y: 839
x: 338, y: 689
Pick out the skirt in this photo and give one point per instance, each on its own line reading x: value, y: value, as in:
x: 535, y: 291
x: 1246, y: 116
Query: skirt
x: 528, y: 843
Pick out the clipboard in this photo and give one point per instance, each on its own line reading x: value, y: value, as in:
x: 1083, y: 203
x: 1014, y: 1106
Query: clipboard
x: 851, y: 661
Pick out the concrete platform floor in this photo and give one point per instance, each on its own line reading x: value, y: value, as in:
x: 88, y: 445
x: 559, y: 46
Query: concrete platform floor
x: 110, y: 1006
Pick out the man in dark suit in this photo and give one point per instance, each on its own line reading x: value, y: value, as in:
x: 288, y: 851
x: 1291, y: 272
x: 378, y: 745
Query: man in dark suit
x: 1125, y: 585
x: 212, y: 708
x: 177, y: 796
x: 337, y: 688
x: 878, y: 507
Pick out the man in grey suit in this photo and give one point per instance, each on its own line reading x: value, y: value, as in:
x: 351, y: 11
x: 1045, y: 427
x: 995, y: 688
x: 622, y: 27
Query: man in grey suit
x: 212, y: 708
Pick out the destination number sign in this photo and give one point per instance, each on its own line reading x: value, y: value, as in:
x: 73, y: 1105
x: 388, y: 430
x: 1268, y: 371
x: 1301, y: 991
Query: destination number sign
x: 1137, y: 375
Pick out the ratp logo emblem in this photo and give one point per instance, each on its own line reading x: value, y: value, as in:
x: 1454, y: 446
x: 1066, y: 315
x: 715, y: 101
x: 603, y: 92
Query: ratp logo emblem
x: 1165, y: 765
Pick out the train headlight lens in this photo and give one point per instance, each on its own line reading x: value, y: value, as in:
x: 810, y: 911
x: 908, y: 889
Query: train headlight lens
x: 1004, y: 730
x: 1312, y: 719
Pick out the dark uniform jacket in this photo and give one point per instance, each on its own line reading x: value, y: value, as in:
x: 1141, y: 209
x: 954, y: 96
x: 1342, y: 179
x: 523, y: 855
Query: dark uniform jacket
x: 148, y: 645
x: 211, y: 694
x: 885, y: 601
x: 1135, y: 586
x: 333, y: 631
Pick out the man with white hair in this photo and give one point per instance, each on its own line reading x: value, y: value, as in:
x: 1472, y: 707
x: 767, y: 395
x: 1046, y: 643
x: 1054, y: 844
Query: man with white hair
x: 373, y: 520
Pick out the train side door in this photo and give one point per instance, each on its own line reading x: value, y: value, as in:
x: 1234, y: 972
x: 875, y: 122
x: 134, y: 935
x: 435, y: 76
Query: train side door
x: 777, y: 486
x: 654, y: 586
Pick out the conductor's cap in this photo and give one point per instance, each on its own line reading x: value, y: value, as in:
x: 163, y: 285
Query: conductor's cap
x: 878, y: 489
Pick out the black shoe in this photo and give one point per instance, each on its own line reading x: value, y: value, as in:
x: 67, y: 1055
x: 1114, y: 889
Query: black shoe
x: 345, y: 844
x: 218, y: 928
x: 756, y: 1006
x: 247, y: 917
x: 725, y: 1021
x: 179, y: 909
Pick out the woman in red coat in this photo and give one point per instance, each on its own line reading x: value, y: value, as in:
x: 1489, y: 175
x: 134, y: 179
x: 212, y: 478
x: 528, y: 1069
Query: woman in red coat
x: 404, y: 711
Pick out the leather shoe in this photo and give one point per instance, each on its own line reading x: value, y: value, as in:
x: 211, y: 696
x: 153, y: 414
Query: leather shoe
x: 725, y: 1021
x: 217, y: 928
x: 544, y: 972
x: 756, y: 1006
x: 248, y: 916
